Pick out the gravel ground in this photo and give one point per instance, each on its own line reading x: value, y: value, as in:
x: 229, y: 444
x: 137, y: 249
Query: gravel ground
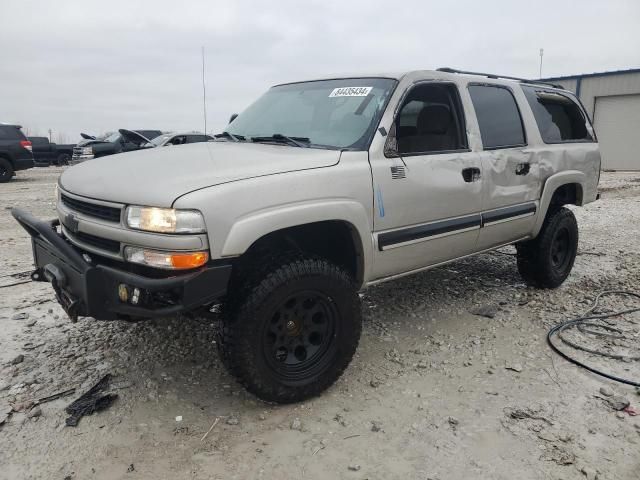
x: 436, y: 391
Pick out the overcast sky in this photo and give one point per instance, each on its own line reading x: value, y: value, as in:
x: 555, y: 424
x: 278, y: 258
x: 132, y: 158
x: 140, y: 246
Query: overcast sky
x: 93, y: 66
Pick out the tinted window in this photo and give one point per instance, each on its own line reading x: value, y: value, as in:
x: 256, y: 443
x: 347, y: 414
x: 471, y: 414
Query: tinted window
x: 39, y: 140
x: 558, y: 117
x: 498, y: 116
x: 430, y: 120
x: 196, y: 138
x: 10, y: 133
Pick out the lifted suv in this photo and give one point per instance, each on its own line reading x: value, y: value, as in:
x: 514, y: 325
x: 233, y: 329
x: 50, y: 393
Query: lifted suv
x: 15, y: 151
x: 317, y: 190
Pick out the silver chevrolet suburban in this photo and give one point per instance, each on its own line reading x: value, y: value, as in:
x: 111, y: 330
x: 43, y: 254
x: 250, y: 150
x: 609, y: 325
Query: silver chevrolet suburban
x: 315, y: 191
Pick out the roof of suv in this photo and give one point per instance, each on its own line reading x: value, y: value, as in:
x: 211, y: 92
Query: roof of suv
x: 443, y: 73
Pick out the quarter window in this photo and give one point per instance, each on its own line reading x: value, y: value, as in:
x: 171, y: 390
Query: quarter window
x: 558, y: 117
x: 498, y: 116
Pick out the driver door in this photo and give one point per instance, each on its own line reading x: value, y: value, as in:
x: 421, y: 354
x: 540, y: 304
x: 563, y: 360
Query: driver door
x: 428, y: 189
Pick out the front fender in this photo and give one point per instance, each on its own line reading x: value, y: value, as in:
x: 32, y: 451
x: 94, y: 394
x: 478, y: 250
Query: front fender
x: 248, y: 229
x: 551, y: 185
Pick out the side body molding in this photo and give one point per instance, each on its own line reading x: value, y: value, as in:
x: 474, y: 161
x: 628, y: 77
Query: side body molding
x: 248, y: 229
x: 551, y: 185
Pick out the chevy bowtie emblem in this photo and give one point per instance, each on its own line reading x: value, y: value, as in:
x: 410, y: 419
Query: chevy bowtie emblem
x: 71, y: 222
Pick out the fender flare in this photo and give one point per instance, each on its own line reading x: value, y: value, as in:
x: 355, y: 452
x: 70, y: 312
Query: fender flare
x: 252, y: 227
x: 549, y: 188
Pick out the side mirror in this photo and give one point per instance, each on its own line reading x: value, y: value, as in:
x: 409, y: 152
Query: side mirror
x: 233, y: 117
x: 391, y: 145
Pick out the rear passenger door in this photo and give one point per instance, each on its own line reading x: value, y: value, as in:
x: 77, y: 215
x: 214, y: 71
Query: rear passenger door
x: 510, y: 171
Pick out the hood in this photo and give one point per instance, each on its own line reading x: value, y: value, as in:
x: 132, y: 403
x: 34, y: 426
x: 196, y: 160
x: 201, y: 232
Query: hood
x: 158, y: 176
x: 86, y: 136
x: 133, y: 137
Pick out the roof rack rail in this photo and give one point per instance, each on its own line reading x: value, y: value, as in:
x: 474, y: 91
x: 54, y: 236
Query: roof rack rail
x: 491, y: 75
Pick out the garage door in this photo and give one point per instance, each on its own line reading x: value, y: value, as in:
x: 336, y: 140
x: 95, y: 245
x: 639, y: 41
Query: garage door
x: 617, y: 124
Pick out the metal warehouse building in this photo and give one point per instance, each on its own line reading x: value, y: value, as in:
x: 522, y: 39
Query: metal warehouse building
x: 612, y: 99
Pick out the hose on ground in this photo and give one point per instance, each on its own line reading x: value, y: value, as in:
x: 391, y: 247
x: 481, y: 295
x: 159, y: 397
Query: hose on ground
x: 584, y: 321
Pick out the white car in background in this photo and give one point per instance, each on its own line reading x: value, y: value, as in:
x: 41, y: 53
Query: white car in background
x: 166, y: 139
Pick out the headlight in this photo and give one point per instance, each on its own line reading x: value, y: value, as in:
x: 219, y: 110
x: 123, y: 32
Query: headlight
x: 165, y: 220
x: 87, y: 151
x: 169, y: 260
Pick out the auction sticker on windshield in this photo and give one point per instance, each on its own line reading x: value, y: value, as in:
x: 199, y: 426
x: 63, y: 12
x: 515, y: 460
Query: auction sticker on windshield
x: 350, y: 92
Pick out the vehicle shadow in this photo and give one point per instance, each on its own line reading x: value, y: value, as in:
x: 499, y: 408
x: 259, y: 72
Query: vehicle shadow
x: 178, y: 357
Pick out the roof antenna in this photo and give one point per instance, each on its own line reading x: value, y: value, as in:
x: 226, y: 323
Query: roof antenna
x: 204, y: 95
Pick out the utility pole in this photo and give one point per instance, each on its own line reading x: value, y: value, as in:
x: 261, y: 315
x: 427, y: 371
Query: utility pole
x: 204, y: 95
x: 541, y: 54
x: 49, y: 135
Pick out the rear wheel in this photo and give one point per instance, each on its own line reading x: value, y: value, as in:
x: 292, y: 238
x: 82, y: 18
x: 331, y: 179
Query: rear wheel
x: 294, y: 331
x: 6, y: 170
x: 547, y: 260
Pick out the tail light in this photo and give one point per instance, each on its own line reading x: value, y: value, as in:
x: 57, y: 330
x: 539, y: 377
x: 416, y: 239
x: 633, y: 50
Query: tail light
x: 26, y: 144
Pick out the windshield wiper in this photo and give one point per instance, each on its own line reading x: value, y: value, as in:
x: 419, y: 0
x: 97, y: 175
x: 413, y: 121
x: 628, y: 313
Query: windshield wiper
x: 278, y: 137
x: 225, y: 134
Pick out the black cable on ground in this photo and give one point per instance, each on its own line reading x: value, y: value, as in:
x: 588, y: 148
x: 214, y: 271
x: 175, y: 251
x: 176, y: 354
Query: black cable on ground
x: 584, y: 321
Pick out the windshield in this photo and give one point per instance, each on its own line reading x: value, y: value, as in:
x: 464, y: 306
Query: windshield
x: 341, y: 114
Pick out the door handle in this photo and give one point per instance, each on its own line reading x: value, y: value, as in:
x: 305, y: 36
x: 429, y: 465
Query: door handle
x: 523, y: 168
x: 471, y: 174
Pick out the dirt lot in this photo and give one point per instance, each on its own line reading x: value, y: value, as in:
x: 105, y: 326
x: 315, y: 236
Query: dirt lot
x: 435, y: 391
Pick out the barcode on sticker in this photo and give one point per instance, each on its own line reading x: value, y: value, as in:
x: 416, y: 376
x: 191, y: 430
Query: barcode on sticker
x: 350, y: 92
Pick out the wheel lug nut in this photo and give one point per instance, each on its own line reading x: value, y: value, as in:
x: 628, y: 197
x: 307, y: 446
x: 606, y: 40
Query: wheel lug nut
x: 291, y: 325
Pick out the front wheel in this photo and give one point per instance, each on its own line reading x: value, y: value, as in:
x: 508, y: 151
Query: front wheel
x: 547, y: 260
x: 295, y: 330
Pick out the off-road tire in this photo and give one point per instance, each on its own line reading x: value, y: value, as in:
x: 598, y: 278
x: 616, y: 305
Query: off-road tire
x: 248, y: 322
x: 6, y: 170
x: 547, y: 260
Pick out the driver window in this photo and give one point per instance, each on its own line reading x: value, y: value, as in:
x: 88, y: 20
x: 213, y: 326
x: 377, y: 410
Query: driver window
x: 431, y: 120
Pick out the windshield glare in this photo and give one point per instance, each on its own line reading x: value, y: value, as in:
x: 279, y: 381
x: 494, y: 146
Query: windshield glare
x: 341, y: 114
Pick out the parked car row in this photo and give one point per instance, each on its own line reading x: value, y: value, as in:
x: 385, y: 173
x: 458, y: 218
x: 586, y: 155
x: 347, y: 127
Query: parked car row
x: 18, y: 152
x: 129, y: 140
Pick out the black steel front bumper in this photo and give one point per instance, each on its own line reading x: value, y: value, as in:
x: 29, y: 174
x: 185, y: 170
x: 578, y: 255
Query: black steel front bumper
x: 85, y: 288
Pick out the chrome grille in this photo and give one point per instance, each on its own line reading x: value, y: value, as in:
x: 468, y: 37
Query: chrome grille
x: 111, y: 214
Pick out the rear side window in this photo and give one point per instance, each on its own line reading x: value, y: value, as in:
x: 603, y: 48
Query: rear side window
x: 10, y: 133
x: 498, y: 116
x: 559, y: 118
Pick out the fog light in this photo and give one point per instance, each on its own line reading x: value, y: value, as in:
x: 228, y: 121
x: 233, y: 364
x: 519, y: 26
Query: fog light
x: 167, y: 260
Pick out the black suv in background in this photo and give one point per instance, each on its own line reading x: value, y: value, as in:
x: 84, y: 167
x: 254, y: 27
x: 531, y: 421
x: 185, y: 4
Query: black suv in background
x: 15, y: 151
x: 94, y: 147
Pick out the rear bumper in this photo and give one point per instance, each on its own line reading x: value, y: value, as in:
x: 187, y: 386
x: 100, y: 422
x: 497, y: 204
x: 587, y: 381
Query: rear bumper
x: 22, y: 163
x: 85, y: 288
